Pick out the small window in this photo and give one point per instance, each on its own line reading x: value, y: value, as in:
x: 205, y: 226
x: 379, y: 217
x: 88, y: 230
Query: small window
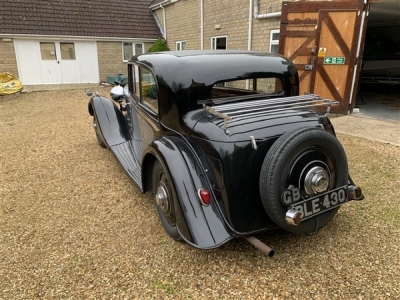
x: 131, y: 49
x: 138, y: 49
x: 67, y: 51
x: 274, y: 41
x: 218, y: 43
x: 48, y: 51
x: 180, y: 46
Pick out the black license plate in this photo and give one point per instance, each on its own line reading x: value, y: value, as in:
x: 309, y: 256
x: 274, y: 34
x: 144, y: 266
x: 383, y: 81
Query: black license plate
x: 321, y: 203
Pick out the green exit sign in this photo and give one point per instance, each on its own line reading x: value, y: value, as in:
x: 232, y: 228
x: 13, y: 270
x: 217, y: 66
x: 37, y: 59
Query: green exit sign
x: 329, y: 60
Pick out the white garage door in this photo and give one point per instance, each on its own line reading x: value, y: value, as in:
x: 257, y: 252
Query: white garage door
x: 56, y: 62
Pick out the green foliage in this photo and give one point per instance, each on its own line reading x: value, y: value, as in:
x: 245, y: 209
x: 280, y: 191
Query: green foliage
x: 169, y: 288
x: 158, y: 45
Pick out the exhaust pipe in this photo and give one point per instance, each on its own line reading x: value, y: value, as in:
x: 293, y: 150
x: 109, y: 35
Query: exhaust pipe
x: 260, y: 245
x: 354, y: 193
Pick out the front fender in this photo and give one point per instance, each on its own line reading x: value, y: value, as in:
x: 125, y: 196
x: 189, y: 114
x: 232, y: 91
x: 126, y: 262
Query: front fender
x: 112, y: 124
x: 199, y: 225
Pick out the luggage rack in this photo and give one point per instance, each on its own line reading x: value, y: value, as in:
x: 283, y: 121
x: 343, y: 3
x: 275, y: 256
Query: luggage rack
x: 267, y: 106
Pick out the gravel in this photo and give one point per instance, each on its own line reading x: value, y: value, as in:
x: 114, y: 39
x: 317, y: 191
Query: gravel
x: 73, y: 226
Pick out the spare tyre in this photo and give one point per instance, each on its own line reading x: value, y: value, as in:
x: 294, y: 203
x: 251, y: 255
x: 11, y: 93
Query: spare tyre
x: 309, y: 161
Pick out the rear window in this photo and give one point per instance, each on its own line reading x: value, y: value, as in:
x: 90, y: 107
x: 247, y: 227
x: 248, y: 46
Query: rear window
x: 246, y: 88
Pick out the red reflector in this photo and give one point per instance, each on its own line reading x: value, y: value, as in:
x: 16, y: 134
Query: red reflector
x: 205, y: 196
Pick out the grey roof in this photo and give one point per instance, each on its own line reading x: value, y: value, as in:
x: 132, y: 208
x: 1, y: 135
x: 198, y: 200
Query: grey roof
x: 98, y: 18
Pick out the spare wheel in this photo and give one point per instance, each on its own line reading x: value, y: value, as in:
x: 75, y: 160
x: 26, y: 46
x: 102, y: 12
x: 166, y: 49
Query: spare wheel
x: 309, y: 161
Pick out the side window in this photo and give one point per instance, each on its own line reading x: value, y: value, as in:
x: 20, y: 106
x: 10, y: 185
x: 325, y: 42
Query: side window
x: 131, y: 49
x: 144, y: 86
x: 180, y: 45
x: 274, y: 41
x: 218, y: 43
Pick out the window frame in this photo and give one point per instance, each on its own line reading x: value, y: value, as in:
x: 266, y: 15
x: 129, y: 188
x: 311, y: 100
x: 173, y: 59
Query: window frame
x: 180, y: 43
x: 218, y: 37
x: 62, y: 52
x: 273, y: 41
x: 136, y: 73
x: 44, y: 56
x: 133, y: 44
x: 259, y: 87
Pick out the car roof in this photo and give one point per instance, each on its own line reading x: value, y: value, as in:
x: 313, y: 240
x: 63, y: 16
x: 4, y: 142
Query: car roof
x: 183, y: 69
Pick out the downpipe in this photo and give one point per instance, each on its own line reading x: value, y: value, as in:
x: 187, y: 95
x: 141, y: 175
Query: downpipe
x: 260, y: 245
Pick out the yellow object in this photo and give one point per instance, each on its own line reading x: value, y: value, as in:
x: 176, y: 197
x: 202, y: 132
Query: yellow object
x: 146, y: 86
x: 9, y: 84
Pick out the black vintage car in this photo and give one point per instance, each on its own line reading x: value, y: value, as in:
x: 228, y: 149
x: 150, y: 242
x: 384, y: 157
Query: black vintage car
x: 226, y: 145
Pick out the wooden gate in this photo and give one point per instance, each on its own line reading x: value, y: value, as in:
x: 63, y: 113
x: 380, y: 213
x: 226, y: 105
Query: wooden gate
x: 325, y: 40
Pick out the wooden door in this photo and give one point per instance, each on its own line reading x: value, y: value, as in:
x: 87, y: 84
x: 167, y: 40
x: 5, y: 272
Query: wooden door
x: 325, y: 39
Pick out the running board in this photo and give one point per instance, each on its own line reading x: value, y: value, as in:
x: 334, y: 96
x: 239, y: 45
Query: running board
x: 126, y: 154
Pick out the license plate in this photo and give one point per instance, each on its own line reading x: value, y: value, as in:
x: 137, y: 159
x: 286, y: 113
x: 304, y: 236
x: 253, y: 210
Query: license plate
x: 321, y: 203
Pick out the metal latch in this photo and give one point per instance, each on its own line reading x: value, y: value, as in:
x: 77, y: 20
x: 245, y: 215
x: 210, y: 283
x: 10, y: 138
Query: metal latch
x: 214, y: 112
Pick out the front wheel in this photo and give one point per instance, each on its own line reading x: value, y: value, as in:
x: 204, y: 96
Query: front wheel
x: 310, y: 160
x: 164, y: 194
x: 96, y: 130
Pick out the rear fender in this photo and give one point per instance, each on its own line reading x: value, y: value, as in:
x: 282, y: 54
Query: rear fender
x: 111, y: 123
x: 199, y: 225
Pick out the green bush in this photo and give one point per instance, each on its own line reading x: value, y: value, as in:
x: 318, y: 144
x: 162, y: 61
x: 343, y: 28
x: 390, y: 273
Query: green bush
x: 158, y: 45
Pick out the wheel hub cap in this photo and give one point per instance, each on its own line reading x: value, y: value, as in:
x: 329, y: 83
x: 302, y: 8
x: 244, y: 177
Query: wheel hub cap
x: 162, y: 199
x: 316, y: 181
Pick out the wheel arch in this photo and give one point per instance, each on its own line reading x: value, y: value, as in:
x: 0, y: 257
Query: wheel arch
x: 147, y: 167
x: 112, y: 124
x: 90, y: 107
x: 198, y: 225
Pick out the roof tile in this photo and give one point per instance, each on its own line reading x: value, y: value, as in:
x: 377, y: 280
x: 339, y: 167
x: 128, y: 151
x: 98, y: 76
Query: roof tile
x: 100, y: 18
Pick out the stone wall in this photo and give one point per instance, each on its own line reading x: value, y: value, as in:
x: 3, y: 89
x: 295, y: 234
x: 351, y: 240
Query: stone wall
x: 262, y: 27
x: 223, y: 18
x: 111, y: 59
x: 182, y: 22
x: 8, y: 61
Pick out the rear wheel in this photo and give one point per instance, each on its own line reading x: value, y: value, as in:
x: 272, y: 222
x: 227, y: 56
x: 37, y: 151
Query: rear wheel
x: 309, y: 159
x: 164, y: 194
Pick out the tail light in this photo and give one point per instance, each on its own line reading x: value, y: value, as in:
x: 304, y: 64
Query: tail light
x: 205, y: 196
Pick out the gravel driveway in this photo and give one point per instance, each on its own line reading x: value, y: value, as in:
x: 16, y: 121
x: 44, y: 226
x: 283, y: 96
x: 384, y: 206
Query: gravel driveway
x: 73, y: 226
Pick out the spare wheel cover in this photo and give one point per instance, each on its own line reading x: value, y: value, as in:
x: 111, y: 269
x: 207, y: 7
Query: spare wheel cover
x: 290, y: 161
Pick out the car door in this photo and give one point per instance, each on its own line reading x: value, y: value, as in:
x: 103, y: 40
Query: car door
x: 143, y: 109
